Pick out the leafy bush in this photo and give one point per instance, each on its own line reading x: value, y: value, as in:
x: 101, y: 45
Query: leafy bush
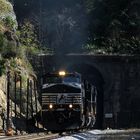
x: 28, y: 38
x: 10, y: 50
x: 94, y: 48
x: 9, y: 22
x: 13, y: 63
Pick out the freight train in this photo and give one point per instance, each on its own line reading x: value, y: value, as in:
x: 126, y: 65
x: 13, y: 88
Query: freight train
x: 67, y: 101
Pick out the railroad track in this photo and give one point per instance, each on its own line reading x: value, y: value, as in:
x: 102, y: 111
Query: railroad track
x: 40, y: 136
x: 85, y: 134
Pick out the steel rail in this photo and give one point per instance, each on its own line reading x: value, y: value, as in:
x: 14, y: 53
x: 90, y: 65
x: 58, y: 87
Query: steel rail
x: 31, y: 137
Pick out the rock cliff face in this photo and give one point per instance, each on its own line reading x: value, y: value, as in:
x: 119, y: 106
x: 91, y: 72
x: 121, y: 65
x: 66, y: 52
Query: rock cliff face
x: 8, y: 26
x: 6, y: 11
x: 2, y: 96
x: 10, y: 61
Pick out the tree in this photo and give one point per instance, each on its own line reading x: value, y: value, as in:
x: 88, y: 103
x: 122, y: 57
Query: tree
x: 28, y: 37
x: 115, y: 26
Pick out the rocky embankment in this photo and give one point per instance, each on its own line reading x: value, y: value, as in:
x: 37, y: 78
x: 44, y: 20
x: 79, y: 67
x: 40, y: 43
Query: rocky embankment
x: 15, y: 61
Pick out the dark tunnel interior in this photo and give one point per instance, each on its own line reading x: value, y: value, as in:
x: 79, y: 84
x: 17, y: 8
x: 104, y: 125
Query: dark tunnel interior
x: 94, y: 77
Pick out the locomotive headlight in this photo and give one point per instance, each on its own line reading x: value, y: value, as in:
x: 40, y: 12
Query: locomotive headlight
x: 50, y: 106
x: 62, y: 73
x: 70, y: 106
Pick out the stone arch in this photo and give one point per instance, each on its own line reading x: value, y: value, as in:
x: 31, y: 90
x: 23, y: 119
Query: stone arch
x: 96, y: 72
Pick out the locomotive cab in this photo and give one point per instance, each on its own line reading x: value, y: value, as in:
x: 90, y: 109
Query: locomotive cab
x: 62, y: 101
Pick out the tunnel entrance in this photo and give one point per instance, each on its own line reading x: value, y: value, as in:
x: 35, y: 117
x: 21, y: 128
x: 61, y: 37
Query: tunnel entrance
x: 94, y: 77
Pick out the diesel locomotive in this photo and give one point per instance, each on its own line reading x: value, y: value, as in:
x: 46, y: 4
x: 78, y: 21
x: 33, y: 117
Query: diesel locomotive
x: 67, y: 102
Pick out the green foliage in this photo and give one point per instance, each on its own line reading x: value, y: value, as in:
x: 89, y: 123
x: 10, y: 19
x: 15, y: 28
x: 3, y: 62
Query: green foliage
x: 115, y: 26
x: 2, y: 41
x: 90, y: 47
x: 9, y: 22
x: 4, y: 6
x: 13, y: 63
x: 28, y: 38
x: 9, y: 50
x: 2, y: 67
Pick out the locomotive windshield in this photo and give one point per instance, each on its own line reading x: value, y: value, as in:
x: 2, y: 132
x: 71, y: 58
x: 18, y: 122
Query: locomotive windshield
x: 69, y: 83
x: 59, y: 79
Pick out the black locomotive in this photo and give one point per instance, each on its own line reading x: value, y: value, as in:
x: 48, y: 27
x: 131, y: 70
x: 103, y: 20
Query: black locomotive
x: 67, y: 102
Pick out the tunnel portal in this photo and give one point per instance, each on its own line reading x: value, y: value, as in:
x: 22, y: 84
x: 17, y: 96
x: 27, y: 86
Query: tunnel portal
x: 115, y: 77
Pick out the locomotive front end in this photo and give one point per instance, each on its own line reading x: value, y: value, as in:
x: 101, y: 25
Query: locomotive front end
x: 62, y: 103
